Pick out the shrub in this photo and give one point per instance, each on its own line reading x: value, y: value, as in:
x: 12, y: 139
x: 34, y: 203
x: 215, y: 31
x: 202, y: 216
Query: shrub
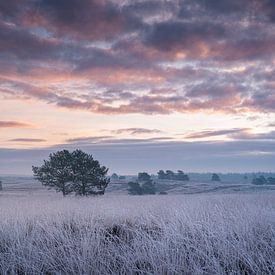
x: 215, y: 177
x: 259, y: 181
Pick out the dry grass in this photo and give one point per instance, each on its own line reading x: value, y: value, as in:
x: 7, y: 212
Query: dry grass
x: 177, y: 234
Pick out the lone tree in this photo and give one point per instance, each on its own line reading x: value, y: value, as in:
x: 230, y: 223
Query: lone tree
x: 143, y: 176
x: 89, y: 178
x: 215, y: 177
x: 75, y: 171
x: 56, y: 172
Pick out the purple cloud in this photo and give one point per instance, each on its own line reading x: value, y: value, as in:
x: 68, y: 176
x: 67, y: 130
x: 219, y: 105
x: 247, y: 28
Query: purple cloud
x: 13, y: 124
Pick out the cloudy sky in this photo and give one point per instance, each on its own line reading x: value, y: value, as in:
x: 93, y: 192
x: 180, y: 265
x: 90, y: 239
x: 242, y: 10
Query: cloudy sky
x: 143, y: 85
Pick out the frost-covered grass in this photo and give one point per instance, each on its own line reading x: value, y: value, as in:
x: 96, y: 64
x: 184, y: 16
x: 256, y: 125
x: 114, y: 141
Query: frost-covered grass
x: 174, y: 234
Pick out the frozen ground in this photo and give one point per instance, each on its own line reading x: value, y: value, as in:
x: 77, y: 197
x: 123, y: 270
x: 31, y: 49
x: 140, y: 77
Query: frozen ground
x: 208, y: 233
x: 16, y: 185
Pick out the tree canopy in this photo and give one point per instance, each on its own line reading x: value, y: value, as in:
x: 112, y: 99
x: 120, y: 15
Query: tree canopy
x: 75, y: 171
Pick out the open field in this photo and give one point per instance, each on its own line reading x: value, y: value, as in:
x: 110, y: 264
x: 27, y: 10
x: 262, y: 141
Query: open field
x: 43, y: 233
x: 16, y: 185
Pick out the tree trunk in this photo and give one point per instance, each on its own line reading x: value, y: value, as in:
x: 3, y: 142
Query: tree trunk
x: 83, y: 191
x: 63, y: 190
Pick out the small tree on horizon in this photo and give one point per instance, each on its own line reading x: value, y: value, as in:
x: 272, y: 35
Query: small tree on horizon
x: 161, y: 175
x: 270, y: 180
x: 144, y: 176
x: 261, y: 180
x: 114, y: 176
x: 215, y: 177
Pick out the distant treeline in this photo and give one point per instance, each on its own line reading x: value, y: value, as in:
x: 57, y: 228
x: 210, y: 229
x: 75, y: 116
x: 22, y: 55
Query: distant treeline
x: 261, y: 180
x: 224, y: 177
x: 170, y: 175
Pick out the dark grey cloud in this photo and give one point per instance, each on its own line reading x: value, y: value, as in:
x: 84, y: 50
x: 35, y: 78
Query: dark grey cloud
x: 132, y: 52
x: 18, y: 42
x: 264, y: 101
x: 177, y: 34
x: 87, y: 19
x: 257, y: 9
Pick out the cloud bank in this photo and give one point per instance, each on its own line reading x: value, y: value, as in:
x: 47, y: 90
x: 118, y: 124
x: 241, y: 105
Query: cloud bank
x: 145, y: 57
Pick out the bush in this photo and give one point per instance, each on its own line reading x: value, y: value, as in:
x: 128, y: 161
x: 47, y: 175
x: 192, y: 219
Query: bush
x: 143, y: 176
x: 271, y: 180
x: 259, y: 181
x: 134, y: 188
x: 215, y: 177
x: 146, y: 188
x: 149, y: 187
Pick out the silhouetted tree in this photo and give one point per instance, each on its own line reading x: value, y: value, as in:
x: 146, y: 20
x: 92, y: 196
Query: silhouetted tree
x: 170, y: 175
x: 143, y: 185
x: 148, y: 187
x: 1, y: 187
x: 271, y: 180
x: 89, y: 177
x: 215, y: 177
x: 161, y: 175
x: 259, y: 181
x: 134, y: 188
x: 72, y: 172
x: 181, y: 176
x: 56, y: 172
x: 143, y: 176
x: 114, y: 176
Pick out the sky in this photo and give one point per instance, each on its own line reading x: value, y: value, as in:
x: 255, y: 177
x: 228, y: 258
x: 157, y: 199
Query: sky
x: 142, y: 85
